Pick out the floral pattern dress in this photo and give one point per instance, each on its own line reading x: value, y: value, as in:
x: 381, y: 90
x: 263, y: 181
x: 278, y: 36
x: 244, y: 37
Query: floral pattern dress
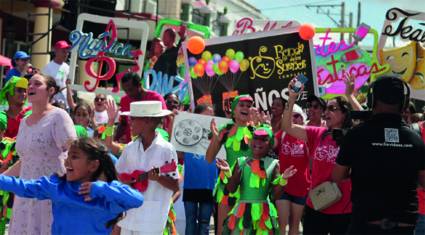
x: 42, y: 148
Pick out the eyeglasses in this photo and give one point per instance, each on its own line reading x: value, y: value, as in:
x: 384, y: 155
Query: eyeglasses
x: 332, y: 108
x: 313, y: 106
x: 99, y: 99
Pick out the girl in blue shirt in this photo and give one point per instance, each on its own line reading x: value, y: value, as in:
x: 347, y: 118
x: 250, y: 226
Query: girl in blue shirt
x: 88, y: 199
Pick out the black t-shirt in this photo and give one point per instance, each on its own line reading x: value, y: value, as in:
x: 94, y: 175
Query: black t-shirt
x: 167, y: 61
x: 385, y: 157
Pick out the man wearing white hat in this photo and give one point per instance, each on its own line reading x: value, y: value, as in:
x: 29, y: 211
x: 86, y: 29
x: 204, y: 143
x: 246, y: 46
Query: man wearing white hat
x: 148, y: 151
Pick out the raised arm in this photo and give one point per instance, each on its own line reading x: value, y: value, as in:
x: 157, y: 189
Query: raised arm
x: 294, y: 130
x: 215, y: 143
x: 69, y: 94
x: 40, y: 189
x: 112, y: 110
x: 113, y: 197
x: 349, y: 92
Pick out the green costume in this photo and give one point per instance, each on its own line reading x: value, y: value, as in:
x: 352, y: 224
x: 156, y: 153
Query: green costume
x: 8, y: 158
x: 254, y: 213
x: 236, y: 143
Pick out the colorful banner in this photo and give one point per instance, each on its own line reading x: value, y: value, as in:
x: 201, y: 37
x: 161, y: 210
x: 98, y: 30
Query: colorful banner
x: 259, y: 64
x: 336, y: 57
x: 406, y: 61
x: 100, y: 52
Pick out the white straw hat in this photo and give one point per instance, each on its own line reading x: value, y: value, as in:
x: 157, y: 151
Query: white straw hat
x: 146, y: 109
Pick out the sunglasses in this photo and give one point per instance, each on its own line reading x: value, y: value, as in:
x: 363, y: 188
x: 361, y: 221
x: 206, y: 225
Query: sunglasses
x: 311, y: 106
x: 332, y: 108
x: 99, y: 99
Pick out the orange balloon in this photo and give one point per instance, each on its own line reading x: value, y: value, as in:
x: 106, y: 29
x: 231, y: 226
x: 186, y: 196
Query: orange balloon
x: 223, y: 66
x: 225, y: 58
x: 202, y: 61
x: 307, y: 31
x: 199, y: 70
x: 196, y: 45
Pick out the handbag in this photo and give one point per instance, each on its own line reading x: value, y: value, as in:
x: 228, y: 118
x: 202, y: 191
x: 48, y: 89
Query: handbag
x: 324, y: 195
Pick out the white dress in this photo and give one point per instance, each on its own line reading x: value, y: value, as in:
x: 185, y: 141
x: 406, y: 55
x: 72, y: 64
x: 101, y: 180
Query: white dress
x: 42, y: 147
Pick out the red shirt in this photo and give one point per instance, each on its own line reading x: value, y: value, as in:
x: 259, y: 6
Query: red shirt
x: 147, y: 95
x: 294, y: 152
x: 13, y: 123
x: 324, y: 152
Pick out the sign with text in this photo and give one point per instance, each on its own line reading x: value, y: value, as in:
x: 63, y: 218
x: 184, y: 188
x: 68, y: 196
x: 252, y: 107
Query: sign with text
x: 258, y: 64
x: 249, y: 25
x: 336, y: 57
x: 406, y: 61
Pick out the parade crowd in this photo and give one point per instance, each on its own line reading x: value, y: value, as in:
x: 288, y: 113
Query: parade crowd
x: 73, y: 167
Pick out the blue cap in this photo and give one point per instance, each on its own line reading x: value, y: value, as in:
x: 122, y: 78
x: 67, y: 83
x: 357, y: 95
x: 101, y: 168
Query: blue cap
x: 21, y: 55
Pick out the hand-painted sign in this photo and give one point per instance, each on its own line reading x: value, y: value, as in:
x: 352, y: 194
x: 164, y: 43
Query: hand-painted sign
x: 336, y: 58
x: 249, y: 25
x: 164, y: 84
x: 100, y: 51
x: 406, y: 61
x: 260, y: 64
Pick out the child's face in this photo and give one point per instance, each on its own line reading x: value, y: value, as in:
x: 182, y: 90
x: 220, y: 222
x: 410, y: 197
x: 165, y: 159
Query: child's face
x: 81, y: 117
x: 78, y: 166
x: 260, y: 145
x: 139, y: 125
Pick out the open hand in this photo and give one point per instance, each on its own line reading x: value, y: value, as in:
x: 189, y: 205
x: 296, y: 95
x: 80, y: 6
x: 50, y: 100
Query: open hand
x: 214, y: 129
x: 112, y: 110
x: 222, y: 164
x: 349, y: 84
x: 289, y: 172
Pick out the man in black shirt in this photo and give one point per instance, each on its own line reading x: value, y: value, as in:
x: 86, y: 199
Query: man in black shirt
x: 386, y: 162
x: 166, y: 62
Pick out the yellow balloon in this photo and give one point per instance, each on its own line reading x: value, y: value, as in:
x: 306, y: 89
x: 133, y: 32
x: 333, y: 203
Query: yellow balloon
x: 244, y: 65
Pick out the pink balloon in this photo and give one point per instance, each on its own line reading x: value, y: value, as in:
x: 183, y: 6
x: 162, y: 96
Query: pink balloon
x: 234, y: 66
x: 210, y: 73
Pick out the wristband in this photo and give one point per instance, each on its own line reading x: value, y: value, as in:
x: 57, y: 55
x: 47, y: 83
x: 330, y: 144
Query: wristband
x: 280, y: 181
x: 228, y: 173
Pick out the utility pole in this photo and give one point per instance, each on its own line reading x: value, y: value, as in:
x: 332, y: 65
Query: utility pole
x: 325, y: 10
x: 359, y: 10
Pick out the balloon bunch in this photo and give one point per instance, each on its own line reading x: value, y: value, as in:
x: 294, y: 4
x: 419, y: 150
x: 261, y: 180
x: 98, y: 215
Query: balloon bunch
x: 215, y: 64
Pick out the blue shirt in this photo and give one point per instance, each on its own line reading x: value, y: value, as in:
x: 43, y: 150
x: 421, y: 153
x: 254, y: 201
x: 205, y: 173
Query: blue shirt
x: 11, y: 73
x: 71, y: 214
x: 198, y: 173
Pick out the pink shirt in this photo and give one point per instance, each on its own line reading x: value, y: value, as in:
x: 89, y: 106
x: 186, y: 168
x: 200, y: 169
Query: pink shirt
x: 293, y: 151
x: 324, y: 152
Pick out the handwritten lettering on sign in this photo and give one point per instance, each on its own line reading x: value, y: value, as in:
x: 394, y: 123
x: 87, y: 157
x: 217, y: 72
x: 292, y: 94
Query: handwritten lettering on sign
x: 284, y: 60
x: 335, y: 59
x: 96, y: 51
x: 248, y: 25
x: 164, y: 84
x: 404, y: 30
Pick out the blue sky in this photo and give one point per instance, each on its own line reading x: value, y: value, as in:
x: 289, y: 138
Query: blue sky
x: 372, y: 11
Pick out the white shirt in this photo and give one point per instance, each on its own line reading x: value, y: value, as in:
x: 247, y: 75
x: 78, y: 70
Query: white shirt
x: 60, y: 73
x: 152, y: 216
x: 101, y: 117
